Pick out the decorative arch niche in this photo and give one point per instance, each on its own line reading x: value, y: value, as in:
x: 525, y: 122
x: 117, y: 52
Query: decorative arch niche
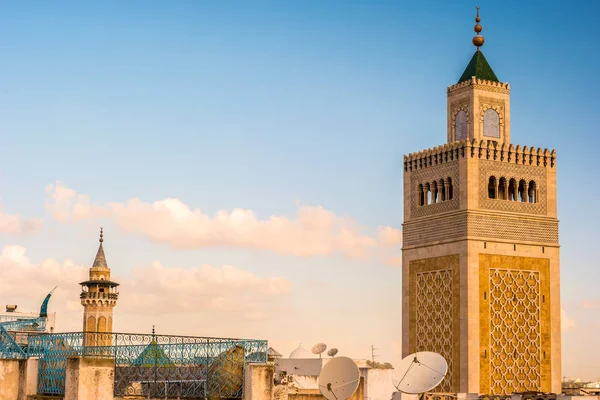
x: 492, y: 122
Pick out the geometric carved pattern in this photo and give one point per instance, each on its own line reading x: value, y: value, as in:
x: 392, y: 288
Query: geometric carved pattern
x: 482, y: 225
x: 488, y: 168
x: 444, y: 227
x: 434, y: 312
x: 431, y: 174
x: 512, y: 229
x: 515, y: 332
x: 515, y: 323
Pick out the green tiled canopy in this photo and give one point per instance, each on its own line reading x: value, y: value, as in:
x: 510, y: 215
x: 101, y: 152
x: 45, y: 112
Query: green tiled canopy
x: 479, y: 68
x: 153, y: 355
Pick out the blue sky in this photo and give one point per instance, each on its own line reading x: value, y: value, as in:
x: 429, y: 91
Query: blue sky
x: 269, y: 106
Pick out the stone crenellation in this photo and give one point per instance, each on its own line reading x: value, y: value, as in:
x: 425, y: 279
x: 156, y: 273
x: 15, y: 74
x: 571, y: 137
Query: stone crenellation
x: 483, y: 149
x: 477, y: 83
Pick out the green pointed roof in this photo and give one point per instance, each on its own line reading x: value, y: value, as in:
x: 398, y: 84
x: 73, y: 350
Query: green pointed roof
x: 153, y: 355
x: 479, y: 68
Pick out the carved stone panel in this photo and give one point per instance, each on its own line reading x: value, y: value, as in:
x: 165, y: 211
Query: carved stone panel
x: 434, y: 312
x: 514, y: 324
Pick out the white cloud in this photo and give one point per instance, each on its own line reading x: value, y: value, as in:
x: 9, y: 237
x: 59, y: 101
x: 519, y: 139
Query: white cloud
x: 14, y: 224
x: 314, y: 230
x: 146, y: 292
x: 566, y: 323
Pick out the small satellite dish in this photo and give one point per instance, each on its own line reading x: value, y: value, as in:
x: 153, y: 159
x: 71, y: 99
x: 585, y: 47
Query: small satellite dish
x: 420, y: 372
x: 339, y: 379
x: 319, y: 348
x: 332, y: 352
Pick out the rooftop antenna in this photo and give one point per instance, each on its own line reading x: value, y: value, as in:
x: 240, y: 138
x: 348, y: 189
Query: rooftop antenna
x: 420, y: 372
x: 332, y: 352
x: 319, y: 348
x: 339, y: 379
x: 373, y: 355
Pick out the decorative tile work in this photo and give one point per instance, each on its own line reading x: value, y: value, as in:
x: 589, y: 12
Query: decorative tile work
x: 444, y: 227
x: 429, y: 175
x: 515, y: 340
x: 514, y: 324
x: 434, y: 317
x: 488, y: 168
x: 489, y: 226
x: 434, y: 302
x: 480, y: 225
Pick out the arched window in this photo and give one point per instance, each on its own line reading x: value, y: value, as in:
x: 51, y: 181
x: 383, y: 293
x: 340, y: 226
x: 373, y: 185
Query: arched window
x: 502, y: 189
x: 522, y: 191
x: 532, y: 192
x: 442, y: 190
x: 491, y: 123
x: 460, y: 125
x: 512, y: 187
x: 492, y: 187
x: 435, y: 193
x: 420, y: 195
x: 428, y: 193
x: 91, y: 324
x: 450, y: 189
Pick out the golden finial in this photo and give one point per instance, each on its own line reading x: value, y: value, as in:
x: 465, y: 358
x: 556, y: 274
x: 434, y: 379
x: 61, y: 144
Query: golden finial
x: 101, y: 235
x: 478, y: 39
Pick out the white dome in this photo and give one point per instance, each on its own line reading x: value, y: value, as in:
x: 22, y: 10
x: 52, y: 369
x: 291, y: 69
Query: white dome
x: 301, y: 353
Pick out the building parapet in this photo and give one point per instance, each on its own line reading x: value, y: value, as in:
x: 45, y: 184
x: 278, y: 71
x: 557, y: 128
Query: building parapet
x: 499, y: 86
x: 484, y: 149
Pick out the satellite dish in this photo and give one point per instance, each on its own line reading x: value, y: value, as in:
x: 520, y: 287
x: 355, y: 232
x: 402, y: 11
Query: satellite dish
x: 339, y: 379
x: 319, y: 348
x: 420, y: 372
x: 332, y: 352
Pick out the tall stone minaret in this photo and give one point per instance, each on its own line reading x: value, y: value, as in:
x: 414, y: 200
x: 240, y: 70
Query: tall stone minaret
x: 480, y: 249
x: 98, y: 297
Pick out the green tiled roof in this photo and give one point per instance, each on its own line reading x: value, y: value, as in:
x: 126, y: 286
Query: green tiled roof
x: 153, y: 355
x: 479, y: 68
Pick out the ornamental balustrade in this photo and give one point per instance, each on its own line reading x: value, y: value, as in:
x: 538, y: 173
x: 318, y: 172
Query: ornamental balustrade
x: 145, y: 364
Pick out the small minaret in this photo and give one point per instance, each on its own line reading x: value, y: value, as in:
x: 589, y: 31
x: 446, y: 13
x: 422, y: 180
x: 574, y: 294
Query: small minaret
x: 98, y: 297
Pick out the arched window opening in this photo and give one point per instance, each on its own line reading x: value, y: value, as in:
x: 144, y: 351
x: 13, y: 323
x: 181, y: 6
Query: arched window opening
x: 522, y: 191
x: 436, y: 192
x: 442, y: 187
x: 492, y: 187
x: 512, y: 188
x: 460, y: 125
x: 532, y: 192
x: 450, y: 189
x: 420, y: 195
x: 428, y: 193
x: 491, y: 123
x: 502, y: 189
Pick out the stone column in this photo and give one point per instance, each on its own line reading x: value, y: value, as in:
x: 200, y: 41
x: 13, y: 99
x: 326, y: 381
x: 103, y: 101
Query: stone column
x: 420, y: 196
x: 526, y: 194
x: 258, y: 381
x: 496, y: 183
x: 90, y: 379
x: 447, y: 188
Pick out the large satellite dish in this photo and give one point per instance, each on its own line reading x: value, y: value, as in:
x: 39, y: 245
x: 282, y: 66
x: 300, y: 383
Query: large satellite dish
x: 339, y: 379
x: 319, y: 348
x: 332, y: 352
x: 420, y: 372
